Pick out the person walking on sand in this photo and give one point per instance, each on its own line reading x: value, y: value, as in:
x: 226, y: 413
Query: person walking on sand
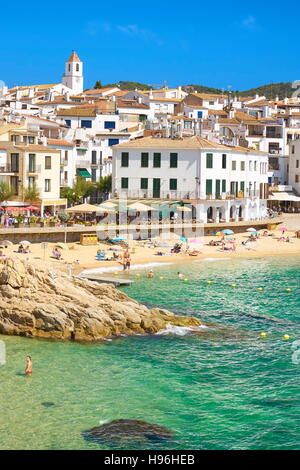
x: 28, y: 369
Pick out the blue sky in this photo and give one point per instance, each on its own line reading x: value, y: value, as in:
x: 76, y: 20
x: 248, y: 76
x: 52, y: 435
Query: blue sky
x: 242, y: 44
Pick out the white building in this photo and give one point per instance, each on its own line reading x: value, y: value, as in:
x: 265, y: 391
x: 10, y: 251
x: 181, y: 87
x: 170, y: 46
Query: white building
x: 222, y: 183
x: 73, y: 76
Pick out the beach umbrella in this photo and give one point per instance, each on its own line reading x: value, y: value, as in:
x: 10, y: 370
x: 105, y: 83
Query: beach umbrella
x: 6, y: 243
x: 25, y: 242
x: 15, y: 209
x: 108, y: 204
x: 219, y: 234
x: 183, y: 239
x: 283, y: 229
x: 118, y: 239
x: 227, y: 231
x: 107, y: 210
x: 32, y: 208
x: 251, y: 229
x: 183, y: 209
x: 140, y: 207
x: 83, y: 208
x: 62, y: 246
x: 195, y: 240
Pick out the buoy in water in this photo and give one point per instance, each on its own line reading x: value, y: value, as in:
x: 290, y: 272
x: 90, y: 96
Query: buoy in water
x: 260, y: 288
x: 161, y: 278
x: 185, y: 280
x: 138, y: 275
x: 209, y: 282
x: 286, y: 337
x: 233, y: 285
x: 263, y: 335
x: 288, y: 289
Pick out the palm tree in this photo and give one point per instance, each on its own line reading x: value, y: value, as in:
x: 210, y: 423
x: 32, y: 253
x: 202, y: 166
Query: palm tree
x: 5, y: 191
x: 31, y: 193
x: 80, y: 189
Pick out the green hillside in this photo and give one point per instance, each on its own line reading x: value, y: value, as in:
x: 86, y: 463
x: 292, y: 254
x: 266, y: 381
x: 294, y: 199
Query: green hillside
x: 123, y: 85
x: 282, y: 90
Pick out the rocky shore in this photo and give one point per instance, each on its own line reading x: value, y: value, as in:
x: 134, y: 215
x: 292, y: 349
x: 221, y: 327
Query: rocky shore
x: 39, y: 302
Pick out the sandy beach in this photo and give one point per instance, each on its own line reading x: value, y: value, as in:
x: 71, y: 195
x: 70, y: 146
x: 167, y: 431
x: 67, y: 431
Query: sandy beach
x: 77, y: 258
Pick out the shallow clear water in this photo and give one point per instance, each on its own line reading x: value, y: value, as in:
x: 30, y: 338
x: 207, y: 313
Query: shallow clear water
x: 217, y: 390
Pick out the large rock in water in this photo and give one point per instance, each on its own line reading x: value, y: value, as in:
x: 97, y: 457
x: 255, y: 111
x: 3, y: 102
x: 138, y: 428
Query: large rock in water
x: 129, y: 430
x: 40, y: 302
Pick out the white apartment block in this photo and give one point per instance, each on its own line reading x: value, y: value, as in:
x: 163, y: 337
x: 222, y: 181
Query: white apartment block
x: 222, y: 183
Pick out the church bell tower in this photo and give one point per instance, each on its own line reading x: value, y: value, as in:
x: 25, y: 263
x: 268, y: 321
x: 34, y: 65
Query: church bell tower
x: 73, y: 77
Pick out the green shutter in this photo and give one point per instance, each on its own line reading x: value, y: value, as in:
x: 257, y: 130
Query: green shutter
x: 243, y: 186
x: 124, y: 183
x: 208, y: 187
x: 156, y: 160
x: 144, y: 183
x: 218, y: 188
x: 224, y: 159
x: 173, y: 184
x: 173, y: 160
x: 209, y: 160
x: 124, y: 159
x: 223, y: 186
x: 144, y: 160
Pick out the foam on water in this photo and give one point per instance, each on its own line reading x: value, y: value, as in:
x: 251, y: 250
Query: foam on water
x: 179, y: 330
x: 120, y: 268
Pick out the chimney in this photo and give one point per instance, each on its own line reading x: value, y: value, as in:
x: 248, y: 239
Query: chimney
x: 277, y: 98
x: 139, y: 99
x: 151, y: 95
x: 195, y: 126
x: 113, y: 98
x: 285, y: 100
x: 231, y: 114
x: 256, y: 96
x: 66, y: 96
x: 4, y: 90
x: 18, y: 94
x: 266, y: 111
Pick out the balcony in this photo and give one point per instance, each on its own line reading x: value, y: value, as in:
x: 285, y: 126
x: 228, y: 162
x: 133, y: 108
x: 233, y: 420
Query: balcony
x: 271, y: 135
x: 8, y: 169
x: 63, y: 182
x: 149, y: 194
x: 34, y: 169
x: 64, y: 162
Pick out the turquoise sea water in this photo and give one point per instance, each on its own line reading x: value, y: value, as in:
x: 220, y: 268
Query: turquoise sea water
x: 222, y: 389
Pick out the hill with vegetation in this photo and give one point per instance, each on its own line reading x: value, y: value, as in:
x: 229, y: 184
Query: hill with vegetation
x: 270, y: 91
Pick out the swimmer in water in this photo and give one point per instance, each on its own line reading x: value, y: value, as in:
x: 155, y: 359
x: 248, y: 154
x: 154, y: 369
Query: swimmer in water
x: 28, y: 370
x: 150, y: 274
x: 180, y: 276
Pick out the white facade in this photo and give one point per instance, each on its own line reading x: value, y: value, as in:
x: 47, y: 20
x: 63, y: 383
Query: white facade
x: 73, y: 76
x: 294, y: 165
x: 236, y: 191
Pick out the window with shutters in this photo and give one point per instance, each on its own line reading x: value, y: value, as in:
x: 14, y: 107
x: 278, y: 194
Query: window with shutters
x: 47, y: 163
x: 233, y: 165
x: 156, y: 160
x: 124, y: 159
x: 208, y: 187
x: 209, y: 160
x: 145, y: 160
x: 124, y: 183
x: 173, y: 184
x: 144, y: 183
x: 224, y: 160
x: 173, y: 160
